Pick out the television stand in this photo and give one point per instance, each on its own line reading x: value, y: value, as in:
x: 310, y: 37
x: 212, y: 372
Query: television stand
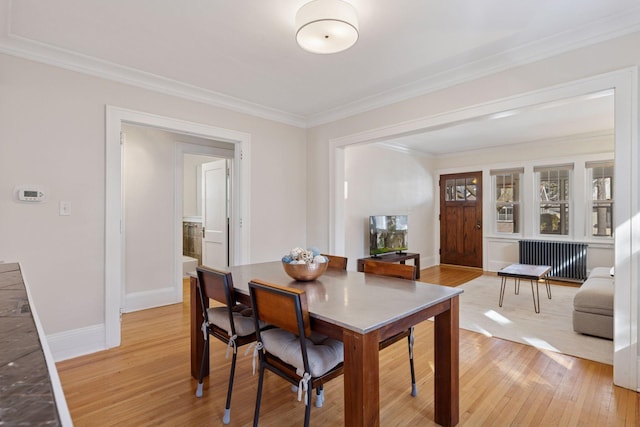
x: 393, y: 257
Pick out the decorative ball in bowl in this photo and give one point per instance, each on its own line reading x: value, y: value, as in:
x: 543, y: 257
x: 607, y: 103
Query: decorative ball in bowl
x: 304, y: 265
x: 305, y: 272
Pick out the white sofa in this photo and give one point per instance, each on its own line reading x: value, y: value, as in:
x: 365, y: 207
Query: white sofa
x: 593, y: 304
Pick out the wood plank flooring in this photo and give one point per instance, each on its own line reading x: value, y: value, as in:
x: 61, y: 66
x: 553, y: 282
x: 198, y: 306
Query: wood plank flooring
x: 146, y: 382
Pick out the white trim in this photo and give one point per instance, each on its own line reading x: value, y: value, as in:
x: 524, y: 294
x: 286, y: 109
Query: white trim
x: 114, y: 264
x: 627, y: 242
x: 70, y: 60
x: 607, y: 28
x: 77, y: 342
x: 596, y: 32
x: 56, y: 385
x: 136, y: 301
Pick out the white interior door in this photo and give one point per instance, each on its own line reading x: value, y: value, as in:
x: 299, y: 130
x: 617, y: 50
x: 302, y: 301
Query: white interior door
x: 215, y: 214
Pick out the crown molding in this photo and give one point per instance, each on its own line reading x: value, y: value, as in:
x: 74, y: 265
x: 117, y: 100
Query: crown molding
x: 404, y: 150
x: 62, y: 58
x: 554, y: 141
x: 605, y: 29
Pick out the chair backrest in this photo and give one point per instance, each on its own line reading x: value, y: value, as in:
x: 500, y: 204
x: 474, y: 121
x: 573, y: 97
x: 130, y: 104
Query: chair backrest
x: 402, y: 271
x: 338, y: 262
x: 285, y: 308
x: 216, y: 285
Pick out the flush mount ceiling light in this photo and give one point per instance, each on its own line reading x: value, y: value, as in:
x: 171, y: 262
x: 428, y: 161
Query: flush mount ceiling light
x: 326, y: 26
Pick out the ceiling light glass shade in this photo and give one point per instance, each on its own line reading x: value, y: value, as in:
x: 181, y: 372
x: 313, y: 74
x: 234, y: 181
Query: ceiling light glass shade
x: 326, y: 26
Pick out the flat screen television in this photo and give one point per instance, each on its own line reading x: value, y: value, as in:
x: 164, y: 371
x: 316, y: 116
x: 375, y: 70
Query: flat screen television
x: 388, y: 233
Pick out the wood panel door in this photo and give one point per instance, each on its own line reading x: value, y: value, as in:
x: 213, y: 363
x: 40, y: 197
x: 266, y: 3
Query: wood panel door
x: 461, y: 219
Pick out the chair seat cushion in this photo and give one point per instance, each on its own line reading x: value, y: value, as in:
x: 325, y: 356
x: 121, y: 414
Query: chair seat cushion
x: 323, y: 353
x: 219, y: 316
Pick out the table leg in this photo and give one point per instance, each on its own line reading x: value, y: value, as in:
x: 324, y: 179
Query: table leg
x: 197, y: 339
x: 361, y: 379
x: 536, y: 295
x: 503, y: 284
x: 548, y: 285
x: 447, y: 361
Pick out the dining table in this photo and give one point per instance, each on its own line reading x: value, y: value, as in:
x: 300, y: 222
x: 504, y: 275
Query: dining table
x: 361, y: 310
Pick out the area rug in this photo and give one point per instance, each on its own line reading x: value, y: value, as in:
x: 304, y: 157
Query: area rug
x: 516, y: 320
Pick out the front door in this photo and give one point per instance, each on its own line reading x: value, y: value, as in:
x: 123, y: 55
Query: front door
x: 461, y: 219
x: 215, y: 214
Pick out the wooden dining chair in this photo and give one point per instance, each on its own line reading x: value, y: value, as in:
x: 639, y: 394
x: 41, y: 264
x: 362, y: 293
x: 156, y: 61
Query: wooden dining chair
x: 290, y: 349
x: 391, y: 269
x: 232, y: 323
x: 337, y: 262
x: 401, y: 271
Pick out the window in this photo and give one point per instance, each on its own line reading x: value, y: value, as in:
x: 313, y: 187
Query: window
x: 601, y: 199
x: 554, y: 183
x: 461, y: 189
x: 506, y: 185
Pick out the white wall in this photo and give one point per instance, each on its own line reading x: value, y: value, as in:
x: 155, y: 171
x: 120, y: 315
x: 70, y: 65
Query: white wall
x: 382, y: 181
x: 52, y: 132
x: 148, y: 217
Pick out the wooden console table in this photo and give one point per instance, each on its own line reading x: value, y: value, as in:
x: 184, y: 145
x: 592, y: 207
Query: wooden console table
x: 393, y: 257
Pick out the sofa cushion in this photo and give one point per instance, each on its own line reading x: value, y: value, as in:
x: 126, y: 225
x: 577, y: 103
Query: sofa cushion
x: 602, y: 272
x: 595, y: 296
x: 593, y: 324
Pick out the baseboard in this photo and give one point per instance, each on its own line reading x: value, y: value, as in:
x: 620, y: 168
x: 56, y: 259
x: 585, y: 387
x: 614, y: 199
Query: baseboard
x: 77, y: 342
x: 495, y: 266
x: 136, y: 301
x: 426, y: 262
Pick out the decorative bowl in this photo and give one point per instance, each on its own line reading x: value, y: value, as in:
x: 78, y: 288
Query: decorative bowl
x: 305, y: 272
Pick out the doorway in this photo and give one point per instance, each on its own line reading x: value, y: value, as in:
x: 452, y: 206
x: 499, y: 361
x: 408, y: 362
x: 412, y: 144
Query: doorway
x: 461, y: 219
x: 624, y: 82
x: 215, y: 213
x: 207, y: 224
x: 114, y: 204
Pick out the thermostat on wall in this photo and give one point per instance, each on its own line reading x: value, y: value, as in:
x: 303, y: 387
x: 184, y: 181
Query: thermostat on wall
x: 31, y: 194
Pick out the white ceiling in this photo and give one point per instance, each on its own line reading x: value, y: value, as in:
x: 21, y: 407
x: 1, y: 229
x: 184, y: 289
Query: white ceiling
x: 242, y: 54
x: 584, y: 115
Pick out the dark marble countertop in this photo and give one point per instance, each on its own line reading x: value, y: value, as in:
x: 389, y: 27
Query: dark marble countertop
x: 26, y: 388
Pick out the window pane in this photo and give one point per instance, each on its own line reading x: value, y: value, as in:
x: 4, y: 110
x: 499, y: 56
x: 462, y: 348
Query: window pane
x: 602, y: 188
x: 507, y: 187
x: 460, y: 189
x: 602, y: 183
x: 470, y: 193
x: 554, y: 218
x: 554, y: 185
x: 601, y: 218
x: 450, y: 190
x: 507, y: 218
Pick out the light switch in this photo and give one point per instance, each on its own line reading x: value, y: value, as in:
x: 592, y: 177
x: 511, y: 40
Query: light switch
x: 65, y: 208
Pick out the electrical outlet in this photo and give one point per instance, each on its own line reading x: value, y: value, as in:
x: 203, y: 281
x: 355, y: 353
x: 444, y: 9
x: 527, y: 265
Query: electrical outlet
x: 65, y: 208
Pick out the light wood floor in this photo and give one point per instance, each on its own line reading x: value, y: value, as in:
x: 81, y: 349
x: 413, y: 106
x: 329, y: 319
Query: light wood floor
x: 146, y: 382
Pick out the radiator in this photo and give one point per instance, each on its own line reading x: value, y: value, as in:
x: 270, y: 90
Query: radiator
x: 568, y: 260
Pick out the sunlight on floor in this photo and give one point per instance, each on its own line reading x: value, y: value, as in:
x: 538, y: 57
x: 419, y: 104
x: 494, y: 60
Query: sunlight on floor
x: 541, y: 344
x: 497, y: 317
